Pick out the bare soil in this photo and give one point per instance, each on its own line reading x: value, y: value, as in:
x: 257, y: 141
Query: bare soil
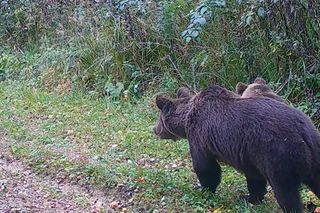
x: 22, y: 190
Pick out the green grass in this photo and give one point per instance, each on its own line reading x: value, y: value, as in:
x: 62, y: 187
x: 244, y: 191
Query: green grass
x: 78, y: 138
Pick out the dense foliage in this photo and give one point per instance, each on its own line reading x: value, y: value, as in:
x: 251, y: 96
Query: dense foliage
x: 122, y: 48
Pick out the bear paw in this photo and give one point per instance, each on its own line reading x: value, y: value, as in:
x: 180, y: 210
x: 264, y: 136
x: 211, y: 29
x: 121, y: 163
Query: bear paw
x: 312, y: 207
x: 253, y: 199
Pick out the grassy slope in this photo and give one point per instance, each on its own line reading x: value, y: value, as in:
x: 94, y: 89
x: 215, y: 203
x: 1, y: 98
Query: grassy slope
x: 79, y: 139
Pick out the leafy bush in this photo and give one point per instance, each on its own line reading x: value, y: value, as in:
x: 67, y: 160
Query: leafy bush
x: 27, y: 23
x: 98, y: 45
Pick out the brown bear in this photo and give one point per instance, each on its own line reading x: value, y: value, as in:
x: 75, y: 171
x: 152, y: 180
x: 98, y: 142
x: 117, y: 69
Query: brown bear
x: 263, y: 138
x: 257, y: 89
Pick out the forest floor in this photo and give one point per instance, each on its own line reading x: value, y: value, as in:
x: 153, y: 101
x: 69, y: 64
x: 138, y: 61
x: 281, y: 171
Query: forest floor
x: 22, y: 190
x: 75, y: 153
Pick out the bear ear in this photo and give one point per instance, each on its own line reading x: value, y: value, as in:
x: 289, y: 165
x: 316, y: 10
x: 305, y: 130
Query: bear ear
x: 163, y: 103
x: 240, y: 88
x: 260, y: 81
x: 183, y: 92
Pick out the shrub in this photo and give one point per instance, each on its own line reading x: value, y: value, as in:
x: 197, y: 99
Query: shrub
x: 126, y: 47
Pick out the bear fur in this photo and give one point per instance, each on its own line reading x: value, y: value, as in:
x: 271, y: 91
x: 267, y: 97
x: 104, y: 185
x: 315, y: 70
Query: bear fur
x: 258, y: 88
x: 263, y: 138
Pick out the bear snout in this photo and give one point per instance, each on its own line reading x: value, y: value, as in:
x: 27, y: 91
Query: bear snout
x: 163, y: 134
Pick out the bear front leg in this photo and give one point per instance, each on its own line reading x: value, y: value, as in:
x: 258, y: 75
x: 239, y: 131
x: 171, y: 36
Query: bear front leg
x: 287, y: 195
x: 257, y: 189
x: 288, y: 199
x: 207, y: 169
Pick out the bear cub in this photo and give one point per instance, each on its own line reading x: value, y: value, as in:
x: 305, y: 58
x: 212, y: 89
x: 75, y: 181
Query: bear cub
x: 266, y: 140
x: 258, y: 88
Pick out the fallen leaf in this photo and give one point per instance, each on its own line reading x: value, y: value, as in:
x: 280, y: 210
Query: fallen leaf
x: 141, y: 161
x: 174, y: 166
x: 141, y: 180
x: 98, y: 207
x: 213, y: 210
x: 114, y: 204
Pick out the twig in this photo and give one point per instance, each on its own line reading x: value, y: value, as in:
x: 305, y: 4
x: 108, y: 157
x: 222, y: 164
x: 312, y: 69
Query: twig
x: 176, y: 69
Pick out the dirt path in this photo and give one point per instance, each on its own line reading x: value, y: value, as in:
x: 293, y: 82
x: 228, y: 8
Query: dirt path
x: 21, y: 190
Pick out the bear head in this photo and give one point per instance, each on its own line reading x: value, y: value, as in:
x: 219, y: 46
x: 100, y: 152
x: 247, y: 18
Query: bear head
x: 171, y: 121
x: 258, y: 88
x: 258, y: 84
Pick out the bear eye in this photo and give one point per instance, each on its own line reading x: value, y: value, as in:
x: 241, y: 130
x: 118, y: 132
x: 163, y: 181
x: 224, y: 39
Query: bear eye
x: 167, y: 110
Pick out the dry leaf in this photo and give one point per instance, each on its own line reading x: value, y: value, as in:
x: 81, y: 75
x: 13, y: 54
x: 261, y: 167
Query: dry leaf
x: 141, y: 180
x: 114, y: 204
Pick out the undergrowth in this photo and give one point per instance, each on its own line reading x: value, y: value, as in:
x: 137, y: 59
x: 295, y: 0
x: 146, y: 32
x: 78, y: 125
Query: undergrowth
x: 123, y: 49
x: 76, y: 138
